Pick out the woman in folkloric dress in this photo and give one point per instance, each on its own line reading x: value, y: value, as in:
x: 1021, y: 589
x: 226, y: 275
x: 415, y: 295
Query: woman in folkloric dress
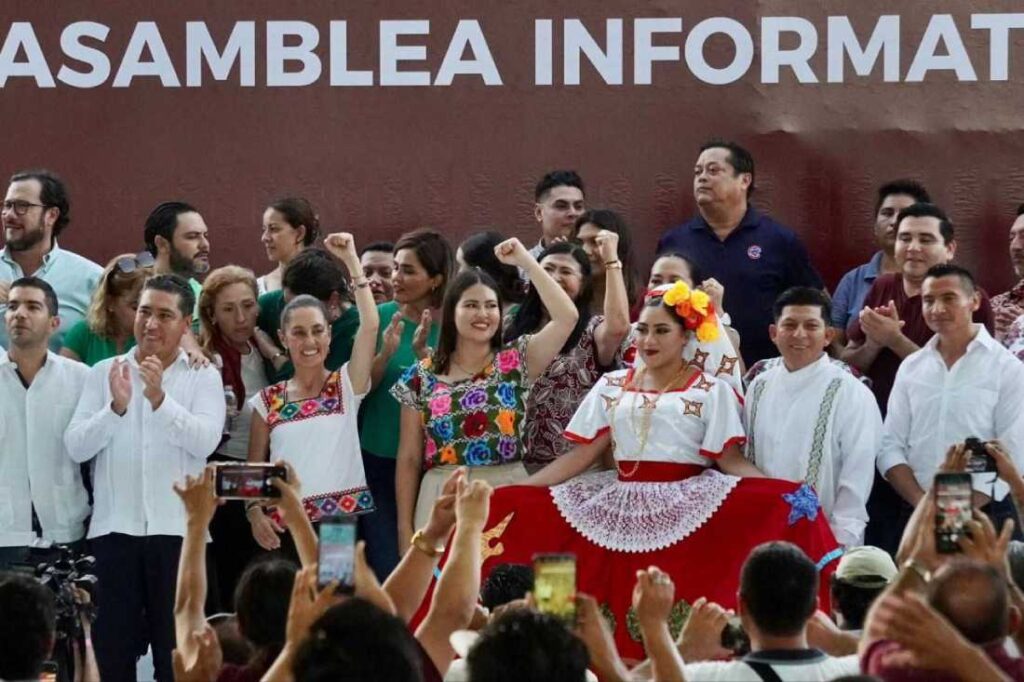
x: 681, y: 497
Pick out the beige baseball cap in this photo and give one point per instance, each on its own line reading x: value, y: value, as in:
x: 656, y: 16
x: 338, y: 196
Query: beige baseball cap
x: 866, y: 565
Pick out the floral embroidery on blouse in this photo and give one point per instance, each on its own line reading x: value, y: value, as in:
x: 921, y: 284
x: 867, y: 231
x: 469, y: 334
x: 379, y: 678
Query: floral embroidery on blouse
x: 474, y: 422
x: 281, y: 411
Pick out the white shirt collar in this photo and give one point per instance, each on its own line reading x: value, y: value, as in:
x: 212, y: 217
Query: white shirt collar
x: 130, y: 356
x: 982, y: 339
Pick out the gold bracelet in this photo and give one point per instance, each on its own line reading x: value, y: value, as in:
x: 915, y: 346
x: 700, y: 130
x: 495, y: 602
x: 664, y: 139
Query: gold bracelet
x: 613, y: 265
x: 922, y: 573
x: 419, y: 541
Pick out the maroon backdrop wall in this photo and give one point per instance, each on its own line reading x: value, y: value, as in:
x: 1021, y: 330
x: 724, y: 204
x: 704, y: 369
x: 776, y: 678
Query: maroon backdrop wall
x: 379, y: 160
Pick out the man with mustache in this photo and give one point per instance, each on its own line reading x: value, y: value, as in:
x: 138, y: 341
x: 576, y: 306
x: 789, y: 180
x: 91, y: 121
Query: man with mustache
x: 1009, y: 305
x: 178, y: 239
x: 35, y: 211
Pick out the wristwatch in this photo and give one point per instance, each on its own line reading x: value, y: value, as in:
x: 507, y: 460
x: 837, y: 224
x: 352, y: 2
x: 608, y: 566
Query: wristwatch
x: 419, y: 541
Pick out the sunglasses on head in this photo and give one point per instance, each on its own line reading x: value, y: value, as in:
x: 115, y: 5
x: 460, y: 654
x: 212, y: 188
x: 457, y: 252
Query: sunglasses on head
x: 129, y: 264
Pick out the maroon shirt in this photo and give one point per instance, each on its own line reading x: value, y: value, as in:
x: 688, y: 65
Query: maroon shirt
x: 874, y: 663
x: 882, y: 371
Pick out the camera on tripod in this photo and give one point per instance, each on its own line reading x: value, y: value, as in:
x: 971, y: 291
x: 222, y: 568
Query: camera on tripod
x: 66, y: 573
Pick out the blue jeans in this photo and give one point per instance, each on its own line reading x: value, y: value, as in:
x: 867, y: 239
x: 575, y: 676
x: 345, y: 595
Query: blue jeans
x: 379, y: 528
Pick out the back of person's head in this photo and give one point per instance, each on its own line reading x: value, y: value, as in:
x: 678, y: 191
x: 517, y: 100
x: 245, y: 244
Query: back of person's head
x: 523, y: 645
x: 162, y: 221
x: 52, y: 194
x: 910, y: 188
x: 262, y: 596
x: 28, y: 618
x: 316, y: 273
x: 860, y: 577
x: 973, y: 597
x: 478, y: 252
x: 356, y: 641
x: 803, y: 296
x: 779, y: 588
x: 924, y: 209
x: 506, y: 583
x: 557, y: 178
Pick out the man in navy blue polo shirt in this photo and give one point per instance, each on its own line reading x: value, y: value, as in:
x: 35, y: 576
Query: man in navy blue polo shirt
x: 754, y: 257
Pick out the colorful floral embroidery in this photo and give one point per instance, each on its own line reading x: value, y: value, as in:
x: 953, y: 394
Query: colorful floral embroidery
x: 473, y: 422
x: 448, y: 455
x: 280, y: 410
x: 478, y: 454
x: 508, y: 360
x: 440, y: 405
x: 506, y: 422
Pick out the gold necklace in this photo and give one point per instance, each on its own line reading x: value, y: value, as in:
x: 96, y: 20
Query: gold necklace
x: 490, y: 359
x: 643, y: 431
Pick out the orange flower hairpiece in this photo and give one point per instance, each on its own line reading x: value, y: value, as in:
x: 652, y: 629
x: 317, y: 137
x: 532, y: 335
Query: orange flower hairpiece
x: 693, y: 305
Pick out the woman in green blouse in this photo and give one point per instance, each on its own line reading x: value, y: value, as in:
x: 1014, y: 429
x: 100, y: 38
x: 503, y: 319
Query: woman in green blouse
x: 108, y: 327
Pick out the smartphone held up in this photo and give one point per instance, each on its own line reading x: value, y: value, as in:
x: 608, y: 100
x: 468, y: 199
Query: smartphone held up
x: 337, y: 553
x: 554, y: 586
x: 952, y: 511
x: 248, y: 481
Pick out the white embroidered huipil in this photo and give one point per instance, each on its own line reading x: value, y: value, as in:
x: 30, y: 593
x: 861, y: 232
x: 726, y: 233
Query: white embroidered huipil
x: 932, y: 407
x: 35, y: 470
x: 822, y: 426
x: 140, y: 455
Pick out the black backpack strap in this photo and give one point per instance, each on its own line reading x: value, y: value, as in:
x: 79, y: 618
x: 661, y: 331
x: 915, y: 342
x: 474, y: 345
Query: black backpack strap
x: 764, y: 670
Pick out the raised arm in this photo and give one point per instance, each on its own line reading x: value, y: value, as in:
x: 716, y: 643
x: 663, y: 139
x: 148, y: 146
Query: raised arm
x: 197, y: 494
x: 342, y: 246
x: 410, y: 580
x: 613, y: 328
x: 545, y: 345
x: 459, y: 585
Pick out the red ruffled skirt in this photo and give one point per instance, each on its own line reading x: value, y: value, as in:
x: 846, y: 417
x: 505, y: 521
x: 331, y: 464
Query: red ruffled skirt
x: 704, y: 558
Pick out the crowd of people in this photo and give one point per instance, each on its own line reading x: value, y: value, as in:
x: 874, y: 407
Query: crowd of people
x: 739, y: 463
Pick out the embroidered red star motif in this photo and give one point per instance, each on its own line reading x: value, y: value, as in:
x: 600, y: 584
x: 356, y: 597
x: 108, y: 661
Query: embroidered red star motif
x: 615, y: 382
x: 700, y: 357
x: 648, y: 404
x: 703, y: 383
x: 609, y: 401
x: 727, y: 365
x: 693, y: 407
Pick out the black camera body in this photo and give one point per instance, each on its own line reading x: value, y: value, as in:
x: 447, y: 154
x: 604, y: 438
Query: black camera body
x: 68, y: 571
x: 978, y: 461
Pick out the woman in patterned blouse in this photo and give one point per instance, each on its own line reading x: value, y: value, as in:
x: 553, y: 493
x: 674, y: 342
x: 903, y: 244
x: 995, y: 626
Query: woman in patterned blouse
x: 464, y: 405
x: 590, y: 351
x: 309, y: 420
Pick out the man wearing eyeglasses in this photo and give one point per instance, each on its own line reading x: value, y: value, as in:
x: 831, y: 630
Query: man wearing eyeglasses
x: 35, y: 211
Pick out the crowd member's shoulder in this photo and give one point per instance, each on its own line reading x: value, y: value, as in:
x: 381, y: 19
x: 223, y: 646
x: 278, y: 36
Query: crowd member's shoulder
x: 73, y: 368
x: 81, y: 261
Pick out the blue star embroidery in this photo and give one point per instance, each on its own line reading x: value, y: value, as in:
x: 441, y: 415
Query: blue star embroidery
x: 802, y: 504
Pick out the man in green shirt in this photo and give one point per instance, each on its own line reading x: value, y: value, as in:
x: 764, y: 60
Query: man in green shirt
x: 315, y: 273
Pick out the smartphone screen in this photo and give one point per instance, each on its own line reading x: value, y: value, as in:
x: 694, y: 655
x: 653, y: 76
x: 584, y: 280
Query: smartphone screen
x: 50, y: 672
x: 554, y: 585
x: 337, y: 553
x: 248, y: 481
x: 952, y: 510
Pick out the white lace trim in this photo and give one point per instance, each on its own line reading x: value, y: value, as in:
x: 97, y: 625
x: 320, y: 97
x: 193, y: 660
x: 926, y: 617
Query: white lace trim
x: 639, y: 517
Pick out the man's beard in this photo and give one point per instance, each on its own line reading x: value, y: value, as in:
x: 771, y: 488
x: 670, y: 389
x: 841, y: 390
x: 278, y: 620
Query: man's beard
x: 183, y: 265
x: 31, y: 236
